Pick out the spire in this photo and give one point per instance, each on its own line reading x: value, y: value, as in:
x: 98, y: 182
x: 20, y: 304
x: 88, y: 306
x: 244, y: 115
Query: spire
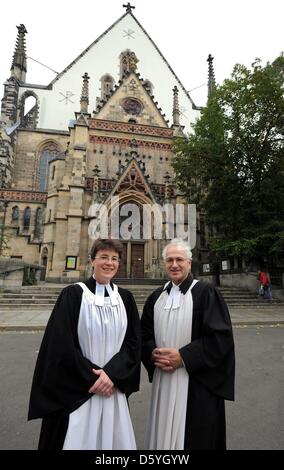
x: 178, y: 129
x: 85, y: 93
x: 176, y: 112
x: 19, y: 63
x: 211, y: 75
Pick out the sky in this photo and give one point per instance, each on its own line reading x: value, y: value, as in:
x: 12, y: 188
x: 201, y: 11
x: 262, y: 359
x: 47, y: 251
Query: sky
x: 185, y: 31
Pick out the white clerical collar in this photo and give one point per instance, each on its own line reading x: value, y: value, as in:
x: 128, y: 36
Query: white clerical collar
x: 100, y: 294
x: 174, y: 297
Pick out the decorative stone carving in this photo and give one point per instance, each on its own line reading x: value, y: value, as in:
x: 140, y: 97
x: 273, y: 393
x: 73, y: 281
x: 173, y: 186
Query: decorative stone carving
x: 128, y: 62
x: 126, y: 127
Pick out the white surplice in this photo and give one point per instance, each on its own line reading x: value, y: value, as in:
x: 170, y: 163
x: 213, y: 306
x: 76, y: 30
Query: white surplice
x: 101, y: 423
x: 168, y: 404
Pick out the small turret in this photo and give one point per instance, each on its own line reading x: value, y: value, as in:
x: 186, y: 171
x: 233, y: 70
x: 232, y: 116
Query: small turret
x: 176, y: 112
x: 19, y: 63
x: 178, y: 129
x: 9, y: 108
x: 85, y: 94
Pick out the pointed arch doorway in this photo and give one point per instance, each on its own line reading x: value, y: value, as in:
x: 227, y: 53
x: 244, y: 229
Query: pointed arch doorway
x: 128, y: 207
x: 132, y: 259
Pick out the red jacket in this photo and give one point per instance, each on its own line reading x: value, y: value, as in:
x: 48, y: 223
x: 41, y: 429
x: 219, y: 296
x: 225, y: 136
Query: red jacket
x: 264, y: 279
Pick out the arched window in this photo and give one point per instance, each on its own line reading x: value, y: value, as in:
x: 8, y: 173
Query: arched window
x: 53, y: 172
x: 38, y: 223
x: 29, y: 108
x: 15, y: 215
x: 30, y: 102
x: 49, y: 153
x: 27, y: 219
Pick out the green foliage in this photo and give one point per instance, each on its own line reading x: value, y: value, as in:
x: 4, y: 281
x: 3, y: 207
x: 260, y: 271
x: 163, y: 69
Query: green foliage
x: 232, y: 166
x: 29, y: 278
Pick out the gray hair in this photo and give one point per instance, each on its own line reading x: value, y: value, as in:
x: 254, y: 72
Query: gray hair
x: 178, y: 242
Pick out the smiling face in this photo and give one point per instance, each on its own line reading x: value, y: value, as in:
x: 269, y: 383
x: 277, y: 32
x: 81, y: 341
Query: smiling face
x: 105, y: 265
x: 178, y: 266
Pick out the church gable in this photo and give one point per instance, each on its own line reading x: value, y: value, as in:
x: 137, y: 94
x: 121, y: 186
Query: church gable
x: 58, y: 101
x: 131, y: 102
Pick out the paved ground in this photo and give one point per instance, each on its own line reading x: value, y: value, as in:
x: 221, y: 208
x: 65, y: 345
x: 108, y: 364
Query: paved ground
x: 255, y: 421
x: 36, y: 319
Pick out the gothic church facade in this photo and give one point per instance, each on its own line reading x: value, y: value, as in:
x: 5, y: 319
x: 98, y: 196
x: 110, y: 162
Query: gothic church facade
x: 102, y: 130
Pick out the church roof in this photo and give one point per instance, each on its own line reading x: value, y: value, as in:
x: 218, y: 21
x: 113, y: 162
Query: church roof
x: 104, y: 34
x: 59, y: 100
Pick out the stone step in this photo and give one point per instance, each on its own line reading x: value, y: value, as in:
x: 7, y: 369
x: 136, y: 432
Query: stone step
x: 138, y: 301
x: 26, y: 301
x: 137, y: 295
x: 45, y: 296
x: 45, y: 288
x: 49, y: 304
x: 134, y: 290
x: 48, y: 307
x: 140, y: 294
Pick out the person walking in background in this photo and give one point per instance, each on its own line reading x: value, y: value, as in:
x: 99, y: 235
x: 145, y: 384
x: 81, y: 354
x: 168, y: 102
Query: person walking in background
x: 265, y: 285
x: 188, y: 351
x: 89, y: 362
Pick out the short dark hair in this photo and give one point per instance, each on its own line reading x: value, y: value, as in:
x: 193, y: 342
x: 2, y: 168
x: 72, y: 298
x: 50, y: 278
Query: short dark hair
x: 106, y: 244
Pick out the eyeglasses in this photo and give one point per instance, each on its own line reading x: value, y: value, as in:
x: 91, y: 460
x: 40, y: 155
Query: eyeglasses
x: 177, y: 260
x: 105, y: 258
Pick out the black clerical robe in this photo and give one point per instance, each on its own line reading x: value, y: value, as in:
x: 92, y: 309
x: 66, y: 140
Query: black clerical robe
x: 63, y: 375
x: 209, y: 360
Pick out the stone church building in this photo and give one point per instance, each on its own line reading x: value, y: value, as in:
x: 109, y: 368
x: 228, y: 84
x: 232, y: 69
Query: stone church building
x: 102, y: 129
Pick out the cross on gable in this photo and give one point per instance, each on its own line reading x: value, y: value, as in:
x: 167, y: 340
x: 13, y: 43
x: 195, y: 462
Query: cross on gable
x: 128, y: 7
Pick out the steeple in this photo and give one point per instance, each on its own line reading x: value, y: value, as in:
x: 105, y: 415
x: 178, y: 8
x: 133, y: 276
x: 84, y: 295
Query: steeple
x: 211, y: 75
x: 19, y: 63
x: 85, y: 93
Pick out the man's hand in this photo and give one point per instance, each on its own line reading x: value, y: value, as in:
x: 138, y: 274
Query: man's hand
x: 103, y: 385
x: 167, y: 359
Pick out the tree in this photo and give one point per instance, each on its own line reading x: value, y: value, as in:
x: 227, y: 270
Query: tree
x: 232, y: 166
